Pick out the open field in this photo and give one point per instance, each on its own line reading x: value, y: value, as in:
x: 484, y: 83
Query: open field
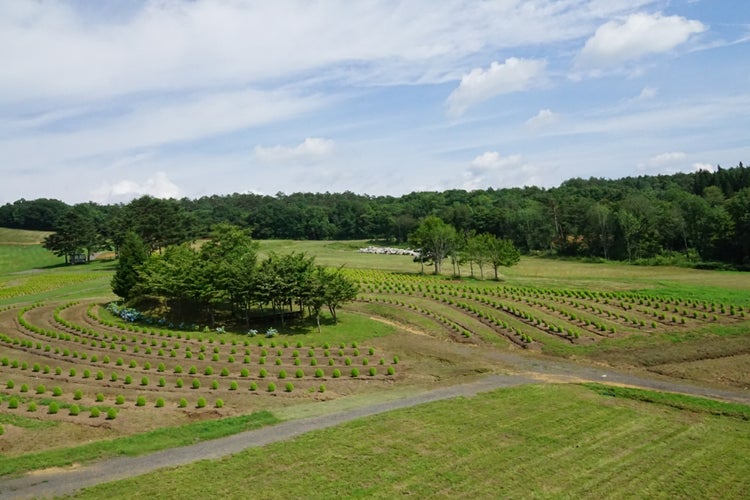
x: 107, y: 379
x: 531, y: 441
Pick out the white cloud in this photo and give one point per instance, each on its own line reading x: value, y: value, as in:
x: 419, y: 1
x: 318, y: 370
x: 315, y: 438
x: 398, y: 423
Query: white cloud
x: 311, y: 148
x: 663, y: 163
x: 479, y: 85
x: 646, y: 94
x: 490, y: 169
x: 638, y: 35
x: 703, y: 166
x: 158, y: 186
x: 544, y: 118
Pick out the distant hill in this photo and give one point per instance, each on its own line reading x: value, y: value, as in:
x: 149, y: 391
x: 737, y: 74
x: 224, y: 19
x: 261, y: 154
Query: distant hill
x: 21, y: 236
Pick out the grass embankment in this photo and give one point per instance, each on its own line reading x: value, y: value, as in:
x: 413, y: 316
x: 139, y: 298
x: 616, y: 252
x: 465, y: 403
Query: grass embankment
x: 548, y: 441
x: 138, y: 444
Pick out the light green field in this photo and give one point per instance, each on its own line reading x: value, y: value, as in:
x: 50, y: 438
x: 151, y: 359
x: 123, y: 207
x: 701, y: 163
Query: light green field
x: 533, y: 441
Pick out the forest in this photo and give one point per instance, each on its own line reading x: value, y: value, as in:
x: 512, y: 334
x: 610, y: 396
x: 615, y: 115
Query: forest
x: 699, y: 219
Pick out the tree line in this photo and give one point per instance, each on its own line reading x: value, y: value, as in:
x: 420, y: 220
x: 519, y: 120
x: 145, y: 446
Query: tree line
x: 224, y: 276
x: 699, y: 217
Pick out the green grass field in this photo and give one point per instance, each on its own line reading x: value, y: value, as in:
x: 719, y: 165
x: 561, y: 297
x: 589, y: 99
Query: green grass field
x: 533, y: 441
x: 565, y: 441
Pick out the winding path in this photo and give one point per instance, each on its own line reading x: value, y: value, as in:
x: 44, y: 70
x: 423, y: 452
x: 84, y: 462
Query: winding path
x: 58, y: 482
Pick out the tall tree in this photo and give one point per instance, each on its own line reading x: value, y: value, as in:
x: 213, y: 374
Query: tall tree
x: 434, y: 240
x: 133, y: 253
x: 503, y: 253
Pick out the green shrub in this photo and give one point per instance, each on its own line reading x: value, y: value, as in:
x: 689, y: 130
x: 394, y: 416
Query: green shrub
x: 32, y: 406
x: 282, y: 374
x: 253, y: 386
x: 78, y: 394
x: 128, y: 379
x: 10, y: 384
x: 391, y: 371
x: 373, y: 371
x: 365, y: 361
x: 233, y: 385
x: 224, y: 372
x: 99, y: 375
x: 289, y: 387
x: 201, y: 403
x: 299, y: 374
x: 347, y: 361
x: 120, y: 400
x: 40, y: 389
x: 57, y: 391
x: 182, y: 403
x: 72, y: 372
x: 159, y: 403
x: 322, y: 388
x: 24, y: 388
x: 75, y: 410
x: 94, y: 412
x: 244, y: 372
x: 53, y: 408
x: 354, y: 372
x: 144, y: 380
x: 99, y: 397
x: 278, y: 361
x: 215, y: 385
x: 13, y: 403
x: 193, y: 370
x: 111, y: 414
x: 113, y: 377
x: 336, y: 373
x: 196, y: 384
x: 263, y: 373
x: 219, y: 403
x: 271, y: 387
x: 140, y: 401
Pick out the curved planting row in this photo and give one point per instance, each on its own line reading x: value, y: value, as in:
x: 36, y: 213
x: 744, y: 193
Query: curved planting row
x: 525, y: 315
x: 69, y: 356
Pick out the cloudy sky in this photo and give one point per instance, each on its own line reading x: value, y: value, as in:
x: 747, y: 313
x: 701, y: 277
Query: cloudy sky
x: 111, y: 99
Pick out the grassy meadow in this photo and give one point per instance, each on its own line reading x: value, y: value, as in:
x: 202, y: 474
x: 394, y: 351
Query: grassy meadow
x: 548, y: 440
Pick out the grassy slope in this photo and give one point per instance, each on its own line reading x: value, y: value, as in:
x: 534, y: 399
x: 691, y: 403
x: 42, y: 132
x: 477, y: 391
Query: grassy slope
x: 548, y: 441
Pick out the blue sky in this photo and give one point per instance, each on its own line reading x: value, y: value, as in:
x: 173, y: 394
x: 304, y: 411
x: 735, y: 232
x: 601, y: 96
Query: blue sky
x: 110, y: 100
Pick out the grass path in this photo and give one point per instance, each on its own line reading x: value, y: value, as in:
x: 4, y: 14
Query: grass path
x: 58, y: 482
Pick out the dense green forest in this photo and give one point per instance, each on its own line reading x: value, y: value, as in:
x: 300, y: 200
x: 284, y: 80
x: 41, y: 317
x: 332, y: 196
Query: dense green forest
x: 697, y: 217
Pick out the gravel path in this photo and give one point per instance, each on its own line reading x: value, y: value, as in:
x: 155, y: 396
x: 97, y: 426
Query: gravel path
x: 530, y: 370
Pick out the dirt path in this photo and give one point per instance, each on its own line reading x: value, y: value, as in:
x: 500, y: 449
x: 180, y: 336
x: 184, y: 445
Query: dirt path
x: 56, y: 482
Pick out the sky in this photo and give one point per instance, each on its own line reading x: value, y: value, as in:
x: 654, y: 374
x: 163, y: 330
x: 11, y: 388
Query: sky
x: 109, y: 100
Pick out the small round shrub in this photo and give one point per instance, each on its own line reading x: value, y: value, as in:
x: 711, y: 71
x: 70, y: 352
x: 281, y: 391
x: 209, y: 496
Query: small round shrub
x: 322, y: 388
x: 75, y: 410
x: 53, y: 408
x: 140, y: 401
x: 72, y: 372
x: 373, y: 371
x: 111, y: 414
x: 94, y: 412
x: 391, y: 371
x: 215, y: 385
x: 289, y: 387
x: 128, y: 379
x: 32, y: 406
x: 13, y: 403
x: 253, y: 386
x: 263, y: 373
x: 365, y: 361
x: 144, y: 380
x: 354, y: 372
x: 24, y: 388
x: 336, y: 373
x: 224, y: 372
x: 219, y: 403
x: 347, y: 361
x: 196, y: 384
x: 182, y: 403
x: 201, y: 403
x: 40, y: 389
x: 278, y: 361
x: 299, y: 374
x: 318, y: 373
x: 282, y: 374
x: 113, y: 377
x: 120, y: 400
x: 233, y: 385
x: 159, y: 403
x: 271, y: 387
x: 208, y: 371
x: 99, y: 375
x: 78, y: 394
x: 99, y: 397
x: 10, y: 384
x: 162, y: 382
x: 179, y: 383
x: 193, y: 370
x: 244, y: 372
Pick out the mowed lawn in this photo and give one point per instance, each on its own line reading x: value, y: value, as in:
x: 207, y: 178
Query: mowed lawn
x: 563, y: 441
